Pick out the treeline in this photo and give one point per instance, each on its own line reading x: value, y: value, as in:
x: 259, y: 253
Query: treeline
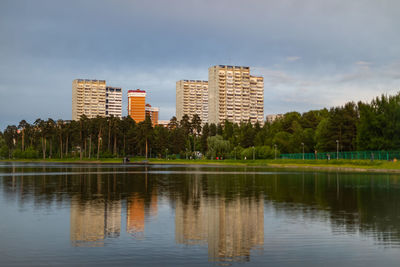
x: 361, y: 126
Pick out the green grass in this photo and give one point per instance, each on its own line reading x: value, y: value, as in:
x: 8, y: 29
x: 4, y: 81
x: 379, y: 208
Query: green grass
x: 317, y: 164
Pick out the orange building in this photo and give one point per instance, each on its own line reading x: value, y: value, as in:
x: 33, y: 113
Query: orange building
x: 136, y: 104
x: 152, y: 112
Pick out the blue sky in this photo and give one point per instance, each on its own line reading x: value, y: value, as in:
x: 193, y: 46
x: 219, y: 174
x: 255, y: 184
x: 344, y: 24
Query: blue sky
x: 312, y: 54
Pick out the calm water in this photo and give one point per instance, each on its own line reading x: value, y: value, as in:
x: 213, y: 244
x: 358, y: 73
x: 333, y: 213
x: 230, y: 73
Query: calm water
x: 68, y: 214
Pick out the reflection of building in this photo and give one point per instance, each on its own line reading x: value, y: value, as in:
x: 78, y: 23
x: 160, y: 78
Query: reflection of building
x: 93, y: 220
x: 137, y: 213
x: 88, y: 98
x: 234, y: 95
x: 136, y: 104
x: 113, y: 218
x: 114, y: 101
x: 230, y: 228
x: 152, y: 112
x: 191, y: 99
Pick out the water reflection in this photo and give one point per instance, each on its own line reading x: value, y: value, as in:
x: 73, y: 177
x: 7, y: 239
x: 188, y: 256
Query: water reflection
x: 93, y: 220
x: 137, y: 213
x: 230, y: 228
x: 225, y: 213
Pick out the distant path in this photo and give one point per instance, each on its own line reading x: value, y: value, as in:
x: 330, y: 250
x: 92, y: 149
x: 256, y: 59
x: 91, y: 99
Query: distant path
x: 344, y: 166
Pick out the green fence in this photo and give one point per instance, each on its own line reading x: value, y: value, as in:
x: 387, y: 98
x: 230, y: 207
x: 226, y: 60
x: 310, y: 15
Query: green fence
x: 363, y: 155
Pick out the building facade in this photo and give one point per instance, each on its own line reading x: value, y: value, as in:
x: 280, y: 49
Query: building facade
x: 152, y: 112
x: 136, y: 105
x: 163, y: 123
x: 256, y: 99
x: 234, y: 95
x: 114, y: 101
x: 272, y: 117
x: 88, y: 98
x: 192, y: 98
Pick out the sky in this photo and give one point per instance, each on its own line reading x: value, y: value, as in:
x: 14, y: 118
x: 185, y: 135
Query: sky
x: 311, y: 53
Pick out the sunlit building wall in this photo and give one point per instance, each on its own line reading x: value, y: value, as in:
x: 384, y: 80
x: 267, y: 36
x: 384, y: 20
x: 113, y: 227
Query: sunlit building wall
x: 191, y: 99
x: 152, y: 112
x: 88, y: 98
x: 136, y: 105
x: 234, y: 95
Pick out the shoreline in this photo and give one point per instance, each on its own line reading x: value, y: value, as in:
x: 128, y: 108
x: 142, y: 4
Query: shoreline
x: 341, y: 165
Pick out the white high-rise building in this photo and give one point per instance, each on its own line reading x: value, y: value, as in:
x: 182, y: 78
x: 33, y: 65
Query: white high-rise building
x: 114, y: 101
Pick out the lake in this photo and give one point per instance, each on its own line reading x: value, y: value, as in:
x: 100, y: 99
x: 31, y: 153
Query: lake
x: 169, y: 215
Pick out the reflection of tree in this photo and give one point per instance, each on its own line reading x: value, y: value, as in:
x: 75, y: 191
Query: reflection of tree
x: 351, y: 202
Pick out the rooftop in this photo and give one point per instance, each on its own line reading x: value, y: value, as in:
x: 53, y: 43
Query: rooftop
x: 136, y: 91
x: 89, y: 80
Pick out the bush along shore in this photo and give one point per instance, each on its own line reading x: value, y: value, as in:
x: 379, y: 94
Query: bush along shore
x: 352, y: 127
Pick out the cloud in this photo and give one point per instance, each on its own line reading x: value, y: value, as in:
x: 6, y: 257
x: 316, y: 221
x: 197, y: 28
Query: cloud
x: 151, y: 44
x: 288, y: 90
x: 292, y: 59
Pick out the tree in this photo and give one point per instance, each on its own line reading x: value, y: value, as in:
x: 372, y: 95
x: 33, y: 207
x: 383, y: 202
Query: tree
x: 40, y: 126
x: 247, y: 134
x: 213, y: 129
x: 205, y: 134
x: 196, y: 124
x: 379, y: 124
x: 23, y: 125
x: 217, y: 147
x: 50, y: 126
x: 3, y: 147
x: 145, y: 133
x: 10, y: 138
x: 173, y: 123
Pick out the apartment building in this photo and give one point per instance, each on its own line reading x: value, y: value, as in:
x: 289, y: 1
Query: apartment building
x: 234, y: 95
x: 272, y: 117
x: 192, y: 98
x: 256, y: 99
x: 136, y: 105
x: 152, y: 112
x: 88, y: 98
x: 163, y: 123
x: 114, y: 101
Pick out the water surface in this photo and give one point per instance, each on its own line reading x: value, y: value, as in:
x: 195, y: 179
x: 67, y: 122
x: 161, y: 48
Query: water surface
x: 164, y: 215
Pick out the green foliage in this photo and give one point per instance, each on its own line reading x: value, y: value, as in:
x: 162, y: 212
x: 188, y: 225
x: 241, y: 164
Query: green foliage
x: 29, y: 153
x: 265, y: 152
x: 217, y: 147
x: 106, y: 154
x: 259, y: 152
x: 379, y: 124
x: 366, y: 126
x: 3, y: 148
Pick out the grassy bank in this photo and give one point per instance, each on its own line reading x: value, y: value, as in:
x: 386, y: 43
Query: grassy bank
x: 345, y: 165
